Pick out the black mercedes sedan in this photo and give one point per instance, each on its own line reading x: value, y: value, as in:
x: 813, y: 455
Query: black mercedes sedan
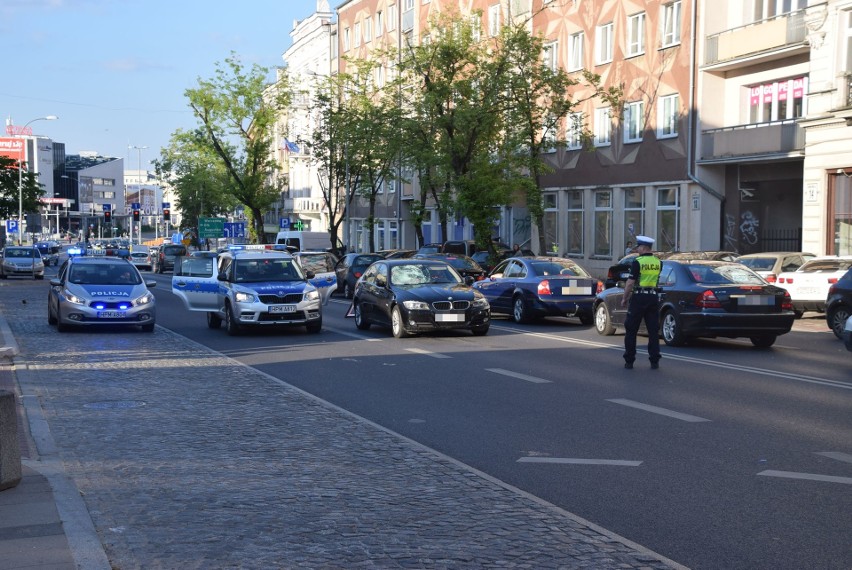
x: 412, y: 296
x: 700, y: 298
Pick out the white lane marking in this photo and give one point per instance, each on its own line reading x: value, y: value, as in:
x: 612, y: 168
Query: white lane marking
x: 518, y: 375
x: 350, y: 334
x: 427, y: 353
x: 656, y: 410
x: 807, y: 476
x: 691, y: 359
x: 576, y: 461
x: 839, y: 456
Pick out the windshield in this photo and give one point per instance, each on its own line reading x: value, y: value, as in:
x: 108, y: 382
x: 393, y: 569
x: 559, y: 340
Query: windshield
x: 830, y: 265
x: 21, y: 252
x: 316, y: 263
x: 422, y: 274
x: 104, y: 274
x: 259, y: 270
x: 758, y: 263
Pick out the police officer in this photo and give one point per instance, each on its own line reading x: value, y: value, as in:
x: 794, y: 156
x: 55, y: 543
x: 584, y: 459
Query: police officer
x: 643, y: 302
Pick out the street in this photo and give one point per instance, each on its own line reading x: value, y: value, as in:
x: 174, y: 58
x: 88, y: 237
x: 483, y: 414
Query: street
x: 726, y: 457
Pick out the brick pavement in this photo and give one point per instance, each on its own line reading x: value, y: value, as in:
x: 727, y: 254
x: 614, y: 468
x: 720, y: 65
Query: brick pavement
x: 188, y: 459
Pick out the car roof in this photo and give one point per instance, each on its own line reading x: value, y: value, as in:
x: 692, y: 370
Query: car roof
x: 413, y: 261
x: 76, y: 260
x: 770, y: 253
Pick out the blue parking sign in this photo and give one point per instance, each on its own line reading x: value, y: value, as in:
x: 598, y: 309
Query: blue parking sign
x: 12, y: 226
x: 284, y: 223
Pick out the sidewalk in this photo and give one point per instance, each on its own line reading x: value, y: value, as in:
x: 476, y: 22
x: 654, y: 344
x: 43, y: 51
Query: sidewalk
x: 150, y: 451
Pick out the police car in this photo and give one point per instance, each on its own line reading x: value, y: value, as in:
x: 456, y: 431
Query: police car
x: 249, y: 287
x: 321, y: 263
x: 99, y: 291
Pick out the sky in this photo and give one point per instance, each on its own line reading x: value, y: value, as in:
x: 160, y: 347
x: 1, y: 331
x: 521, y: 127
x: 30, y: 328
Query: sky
x: 115, y: 71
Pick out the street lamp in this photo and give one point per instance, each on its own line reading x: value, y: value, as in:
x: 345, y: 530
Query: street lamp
x: 21, y: 180
x: 139, y: 173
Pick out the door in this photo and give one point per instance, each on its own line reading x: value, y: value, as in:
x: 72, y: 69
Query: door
x: 196, y: 282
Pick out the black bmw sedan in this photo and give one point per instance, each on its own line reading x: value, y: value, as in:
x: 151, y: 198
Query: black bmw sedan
x: 700, y: 298
x: 412, y: 296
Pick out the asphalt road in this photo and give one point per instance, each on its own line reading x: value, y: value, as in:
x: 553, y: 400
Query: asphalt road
x: 727, y: 457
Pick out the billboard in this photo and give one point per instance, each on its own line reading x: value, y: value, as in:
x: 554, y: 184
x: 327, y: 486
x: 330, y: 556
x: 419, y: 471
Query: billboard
x: 13, y: 148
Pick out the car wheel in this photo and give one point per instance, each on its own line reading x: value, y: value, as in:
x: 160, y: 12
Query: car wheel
x: 314, y: 327
x: 672, y: 333
x: 396, y: 324
x: 763, y: 341
x: 148, y: 327
x: 837, y: 320
x: 214, y: 321
x: 520, y: 313
x: 348, y: 290
x: 479, y: 331
x: 586, y: 318
x: 39, y: 276
x: 360, y: 320
x: 603, y: 322
x: 232, y: 327
x: 798, y: 314
x: 51, y: 319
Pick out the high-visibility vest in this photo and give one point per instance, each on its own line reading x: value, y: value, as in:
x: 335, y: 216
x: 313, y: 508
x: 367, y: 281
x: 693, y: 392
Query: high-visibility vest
x: 649, y: 270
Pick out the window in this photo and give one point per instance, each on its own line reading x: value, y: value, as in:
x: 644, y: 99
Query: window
x: 840, y: 204
x: 671, y: 24
x: 476, y: 26
x: 575, y: 51
x: 764, y: 9
x: 380, y: 23
x: 356, y: 34
x: 603, y: 223
x: 777, y: 101
x: 368, y: 30
x: 634, y: 213
x: 848, y: 17
x: 603, y: 126
x: 574, y: 131
x: 636, y: 34
x: 548, y: 134
x: 575, y: 222
x: 391, y: 17
x: 494, y: 20
x: 668, y: 115
x: 603, y: 44
x: 551, y: 222
x: 346, y: 39
x: 634, y: 121
x: 549, y: 55
x: 668, y: 210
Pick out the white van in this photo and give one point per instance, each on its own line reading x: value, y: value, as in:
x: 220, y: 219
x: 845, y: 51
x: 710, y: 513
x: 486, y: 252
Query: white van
x: 304, y: 241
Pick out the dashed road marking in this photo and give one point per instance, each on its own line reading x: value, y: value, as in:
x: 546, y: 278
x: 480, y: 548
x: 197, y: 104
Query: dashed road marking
x: 579, y: 461
x: 427, y: 353
x: 658, y: 410
x: 518, y: 375
x: 807, y: 476
x: 839, y: 456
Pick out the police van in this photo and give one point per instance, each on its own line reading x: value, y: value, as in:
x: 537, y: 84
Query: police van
x: 249, y: 287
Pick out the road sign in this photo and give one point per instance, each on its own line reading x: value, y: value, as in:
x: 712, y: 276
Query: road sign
x: 211, y: 228
x: 167, y: 205
x: 284, y: 223
x: 235, y: 229
x: 135, y: 206
x: 12, y: 226
x: 107, y: 207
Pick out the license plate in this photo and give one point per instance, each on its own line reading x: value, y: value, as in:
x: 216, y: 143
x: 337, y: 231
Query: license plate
x: 282, y: 309
x: 807, y: 291
x: 576, y: 290
x: 757, y: 300
x: 112, y: 315
x: 449, y: 318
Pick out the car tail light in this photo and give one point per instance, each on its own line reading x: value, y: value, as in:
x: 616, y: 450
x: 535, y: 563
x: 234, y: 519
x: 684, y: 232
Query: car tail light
x: 771, y: 278
x: 788, y: 280
x: 357, y: 275
x: 787, y: 303
x: 544, y: 287
x: 832, y: 290
x: 832, y: 280
x: 707, y: 300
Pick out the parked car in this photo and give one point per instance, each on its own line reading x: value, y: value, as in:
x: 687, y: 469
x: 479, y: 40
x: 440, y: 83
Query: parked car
x: 50, y: 251
x: 489, y: 262
x: 809, y: 284
x: 249, y: 288
x: 770, y: 264
x: 838, y: 304
x: 100, y: 291
x: 700, y: 298
x: 430, y: 248
x: 349, y: 269
x: 21, y: 261
x: 528, y: 288
x: 166, y: 254
x: 709, y: 255
x: 617, y: 273
x: 412, y: 296
x: 397, y: 253
x: 466, y: 266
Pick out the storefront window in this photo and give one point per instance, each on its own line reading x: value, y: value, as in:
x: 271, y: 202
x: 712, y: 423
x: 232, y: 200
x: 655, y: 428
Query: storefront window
x: 551, y: 223
x: 668, y: 214
x: 603, y: 223
x: 634, y: 214
x: 842, y: 215
x: 575, y: 221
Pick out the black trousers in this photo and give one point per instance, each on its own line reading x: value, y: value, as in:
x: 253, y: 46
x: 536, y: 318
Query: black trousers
x: 642, y: 306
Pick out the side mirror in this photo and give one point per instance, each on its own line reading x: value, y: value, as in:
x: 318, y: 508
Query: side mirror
x: 468, y: 280
x: 150, y: 284
x: 310, y: 274
x: 222, y: 276
x: 55, y: 283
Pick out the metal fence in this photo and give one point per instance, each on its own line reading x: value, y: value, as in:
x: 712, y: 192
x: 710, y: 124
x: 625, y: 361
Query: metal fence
x: 781, y: 240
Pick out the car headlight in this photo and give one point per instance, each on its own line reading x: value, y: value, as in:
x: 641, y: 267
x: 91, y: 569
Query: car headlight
x: 144, y: 300
x: 415, y: 305
x: 72, y: 298
x: 240, y: 297
x: 312, y: 295
x: 8, y: 264
x: 480, y: 302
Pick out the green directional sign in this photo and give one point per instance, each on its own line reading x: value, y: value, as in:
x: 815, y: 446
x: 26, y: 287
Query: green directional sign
x: 211, y: 228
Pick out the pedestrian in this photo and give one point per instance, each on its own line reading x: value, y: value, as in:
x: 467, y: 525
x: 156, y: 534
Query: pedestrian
x: 516, y: 250
x: 629, y: 249
x: 642, y: 300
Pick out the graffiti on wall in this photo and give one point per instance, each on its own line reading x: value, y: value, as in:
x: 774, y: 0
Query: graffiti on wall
x: 742, y: 232
x: 749, y: 227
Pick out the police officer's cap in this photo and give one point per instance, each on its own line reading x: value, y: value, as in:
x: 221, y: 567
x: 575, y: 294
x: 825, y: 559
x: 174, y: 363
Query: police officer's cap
x: 644, y: 240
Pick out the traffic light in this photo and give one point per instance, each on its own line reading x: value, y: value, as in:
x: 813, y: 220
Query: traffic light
x: 107, y: 216
x: 167, y: 214
x: 136, y: 215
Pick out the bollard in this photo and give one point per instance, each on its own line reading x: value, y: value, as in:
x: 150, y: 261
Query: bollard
x: 10, y: 451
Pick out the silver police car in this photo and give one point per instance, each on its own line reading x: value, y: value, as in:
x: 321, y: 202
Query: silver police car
x: 99, y: 291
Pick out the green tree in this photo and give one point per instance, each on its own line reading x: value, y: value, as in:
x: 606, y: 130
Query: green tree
x: 237, y: 115
x: 31, y: 189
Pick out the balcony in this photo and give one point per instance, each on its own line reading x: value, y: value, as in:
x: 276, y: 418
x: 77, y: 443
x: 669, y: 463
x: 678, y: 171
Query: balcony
x: 753, y: 142
x: 764, y: 40
x: 408, y: 20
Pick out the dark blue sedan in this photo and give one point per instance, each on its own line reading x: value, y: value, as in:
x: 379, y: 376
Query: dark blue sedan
x: 529, y: 288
